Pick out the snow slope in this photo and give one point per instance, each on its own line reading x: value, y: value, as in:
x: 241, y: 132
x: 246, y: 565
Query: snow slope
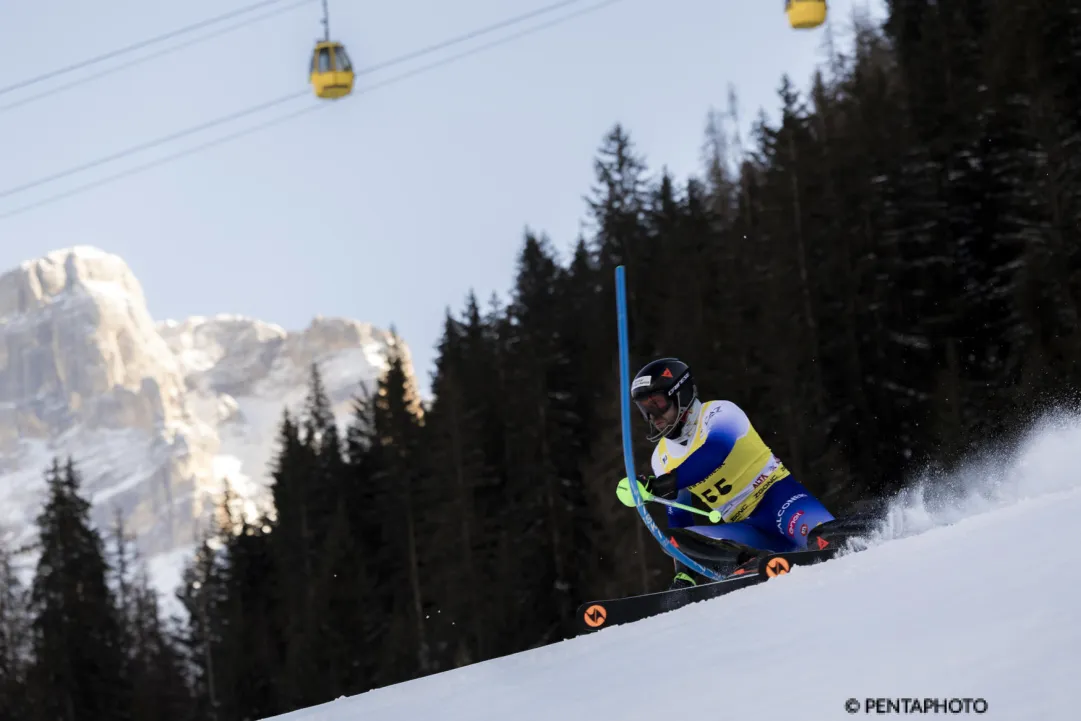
x: 959, y: 595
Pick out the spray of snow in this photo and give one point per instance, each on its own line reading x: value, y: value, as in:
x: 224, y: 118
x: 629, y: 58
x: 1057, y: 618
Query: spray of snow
x: 1039, y: 464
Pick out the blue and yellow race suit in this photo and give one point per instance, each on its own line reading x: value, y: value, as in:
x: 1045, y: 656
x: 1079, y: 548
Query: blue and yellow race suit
x: 721, y: 463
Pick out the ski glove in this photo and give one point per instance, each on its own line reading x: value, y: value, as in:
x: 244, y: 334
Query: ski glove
x: 663, y: 486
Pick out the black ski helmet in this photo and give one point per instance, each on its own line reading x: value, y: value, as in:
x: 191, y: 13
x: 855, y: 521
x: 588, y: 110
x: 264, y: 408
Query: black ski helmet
x: 659, y: 384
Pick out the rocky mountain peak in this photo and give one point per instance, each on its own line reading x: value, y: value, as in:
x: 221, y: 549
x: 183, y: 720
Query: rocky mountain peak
x: 157, y: 415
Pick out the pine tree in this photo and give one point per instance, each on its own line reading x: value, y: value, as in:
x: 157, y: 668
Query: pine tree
x: 295, y: 550
x: 583, y: 379
x: 319, y: 485
x: 396, y: 421
x: 617, y: 202
x: 319, y: 433
x: 78, y: 669
x: 251, y: 626
x: 376, y: 573
x: 14, y: 642
x: 161, y: 690
x: 153, y: 662
x: 455, y: 436
x: 536, y: 490
x: 204, y: 595
x: 234, y: 641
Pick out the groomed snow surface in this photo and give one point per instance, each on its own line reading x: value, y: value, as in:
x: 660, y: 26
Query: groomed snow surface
x: 968, y: 591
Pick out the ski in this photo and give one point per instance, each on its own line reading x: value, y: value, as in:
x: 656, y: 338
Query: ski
x: 595, y: 615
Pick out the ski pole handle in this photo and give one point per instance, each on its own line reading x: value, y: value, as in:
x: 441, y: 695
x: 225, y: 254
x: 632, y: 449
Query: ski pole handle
x: 713, y: 516
x: 623, y: 490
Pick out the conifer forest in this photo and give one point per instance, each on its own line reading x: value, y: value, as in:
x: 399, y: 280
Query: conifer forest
x: 886, y: 278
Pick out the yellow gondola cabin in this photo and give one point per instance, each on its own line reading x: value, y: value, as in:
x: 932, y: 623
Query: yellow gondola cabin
x: 805, y: 14
x: 331, y: 72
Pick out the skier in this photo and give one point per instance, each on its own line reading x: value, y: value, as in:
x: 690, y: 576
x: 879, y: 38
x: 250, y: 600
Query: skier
x: 709, y: 456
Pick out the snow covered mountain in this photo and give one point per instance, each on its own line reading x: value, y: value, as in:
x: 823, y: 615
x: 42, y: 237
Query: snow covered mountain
x: 241, y: 373
x: 157, y: 416
x: 959, y: 603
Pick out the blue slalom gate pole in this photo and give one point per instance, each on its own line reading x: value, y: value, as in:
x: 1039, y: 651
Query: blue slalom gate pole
x: 628, y: 445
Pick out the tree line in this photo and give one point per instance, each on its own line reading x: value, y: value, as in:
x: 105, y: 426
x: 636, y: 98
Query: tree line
x: 887, y: 279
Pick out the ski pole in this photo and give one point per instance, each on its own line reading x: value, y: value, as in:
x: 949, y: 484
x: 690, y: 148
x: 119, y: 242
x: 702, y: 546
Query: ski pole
x: 713, y: 516
x: 624, y: 493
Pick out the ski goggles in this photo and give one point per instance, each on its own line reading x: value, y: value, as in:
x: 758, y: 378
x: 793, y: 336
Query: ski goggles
x: 654, y: 405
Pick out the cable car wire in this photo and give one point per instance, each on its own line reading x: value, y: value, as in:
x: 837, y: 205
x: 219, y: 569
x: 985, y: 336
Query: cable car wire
x: 78, y: 190
x: 153, y: 56
x: 149, y: 145
x: 136, y: 46
x: 153, y: 143
x: 468, y: 36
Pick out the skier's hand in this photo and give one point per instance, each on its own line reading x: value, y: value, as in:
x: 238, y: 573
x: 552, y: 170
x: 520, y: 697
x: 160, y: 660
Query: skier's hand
x: 623, y: 491
x: 664, y: 486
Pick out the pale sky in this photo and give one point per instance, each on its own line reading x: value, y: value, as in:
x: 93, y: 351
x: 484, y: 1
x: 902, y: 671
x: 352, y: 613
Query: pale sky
x: 388, y: 206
